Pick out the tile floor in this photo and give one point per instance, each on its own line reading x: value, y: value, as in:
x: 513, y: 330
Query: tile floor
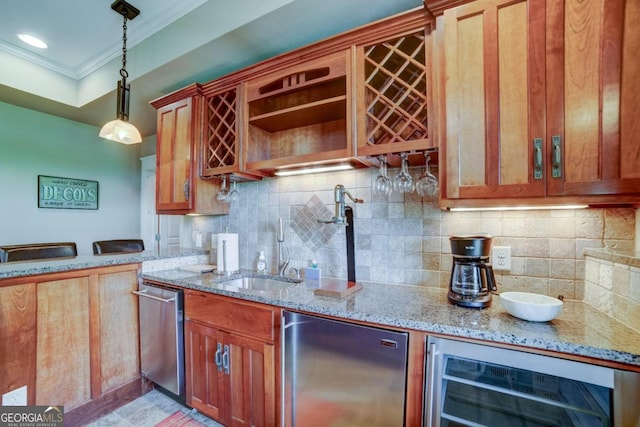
x: 147, y: 411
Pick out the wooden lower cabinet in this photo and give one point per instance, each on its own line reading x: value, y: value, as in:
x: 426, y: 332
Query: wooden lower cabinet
x: 63, y: 374
x: 231, y: 377
x: 18, y: 338
x: 71, y: 337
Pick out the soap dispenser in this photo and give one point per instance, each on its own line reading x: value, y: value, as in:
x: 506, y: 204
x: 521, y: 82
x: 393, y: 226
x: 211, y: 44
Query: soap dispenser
x: 261, y: 265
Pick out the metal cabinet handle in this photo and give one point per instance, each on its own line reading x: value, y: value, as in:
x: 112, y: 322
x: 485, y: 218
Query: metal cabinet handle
x: 143, y: 293
x: 537, y: 158
x: 186, y: 190
x: 431, y: 382
x: 225, y: 359
x: 556, y: 161
x: 218, y: 357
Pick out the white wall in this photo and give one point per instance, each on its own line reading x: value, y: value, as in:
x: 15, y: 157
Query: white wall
x: 32, y: 144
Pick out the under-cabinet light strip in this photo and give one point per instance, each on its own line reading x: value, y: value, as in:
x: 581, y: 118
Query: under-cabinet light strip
x: 313, y: 169
x: 520, y: 208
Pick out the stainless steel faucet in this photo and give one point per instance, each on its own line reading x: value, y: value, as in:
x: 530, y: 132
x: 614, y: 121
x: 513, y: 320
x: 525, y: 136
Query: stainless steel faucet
x: 340, y: 217
x: 283, y: 253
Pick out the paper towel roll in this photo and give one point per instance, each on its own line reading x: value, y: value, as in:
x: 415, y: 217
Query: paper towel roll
x: 227, y: 252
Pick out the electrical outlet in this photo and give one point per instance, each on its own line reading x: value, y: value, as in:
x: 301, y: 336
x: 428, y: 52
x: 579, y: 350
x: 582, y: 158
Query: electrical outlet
x: 17, y: 397
x: 501, y: 258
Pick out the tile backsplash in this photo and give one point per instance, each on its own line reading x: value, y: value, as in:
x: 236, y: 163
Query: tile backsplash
x: 399, y: 239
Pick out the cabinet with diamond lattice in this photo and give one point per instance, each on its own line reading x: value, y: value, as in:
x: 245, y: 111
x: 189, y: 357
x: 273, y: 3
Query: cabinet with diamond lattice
x: 393, y: 79
x: 222, y: 139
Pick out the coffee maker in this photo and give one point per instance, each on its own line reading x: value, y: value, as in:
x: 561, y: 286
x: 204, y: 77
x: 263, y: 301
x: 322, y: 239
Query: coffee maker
x: 472, y: 278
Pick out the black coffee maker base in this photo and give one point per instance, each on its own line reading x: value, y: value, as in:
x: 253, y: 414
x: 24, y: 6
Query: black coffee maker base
x: 481, y: 301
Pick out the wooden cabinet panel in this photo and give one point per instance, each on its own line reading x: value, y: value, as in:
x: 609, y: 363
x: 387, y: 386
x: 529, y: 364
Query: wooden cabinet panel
x: 179, y: 188
x: 251, y: 374
x: 204, y: 387
x: 119, y: 348
x: 494, y: 61
x: 72, y: 337
x: 231, y: 370
x: 63, y: 375
x: 536, y: 99
x: 18, y: 339
x: 173, y: 169
x: 229, y: 314
x: 592, y: 98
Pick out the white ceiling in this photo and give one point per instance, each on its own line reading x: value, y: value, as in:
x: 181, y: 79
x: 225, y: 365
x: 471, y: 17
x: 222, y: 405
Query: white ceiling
x: 171, y: 43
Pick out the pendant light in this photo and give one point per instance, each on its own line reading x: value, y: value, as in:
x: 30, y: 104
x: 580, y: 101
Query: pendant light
x: 120, y: 130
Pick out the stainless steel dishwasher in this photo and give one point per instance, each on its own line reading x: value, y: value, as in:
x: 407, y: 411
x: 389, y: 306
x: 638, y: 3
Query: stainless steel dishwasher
x: 342, y: 374
x: 162, y: 337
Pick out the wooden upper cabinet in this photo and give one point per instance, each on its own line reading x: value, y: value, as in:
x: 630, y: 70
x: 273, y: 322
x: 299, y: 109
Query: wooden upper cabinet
x: 222, y: 146
x: 179, y: 188
x: 393, y: 79
x: 494, y: 91
x: 300, y: 114
x: 592, y: 93
x: 174, y: 156
x: 537, y: 101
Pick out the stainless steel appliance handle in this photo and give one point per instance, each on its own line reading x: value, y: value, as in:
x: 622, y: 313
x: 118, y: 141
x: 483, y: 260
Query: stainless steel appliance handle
x: 431, y: 383
x: 225, y: 359
x: 143, y: 293
x: 218, y: 356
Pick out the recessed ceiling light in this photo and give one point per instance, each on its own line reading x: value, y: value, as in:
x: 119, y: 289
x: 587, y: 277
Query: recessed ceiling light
x: 33, y: 41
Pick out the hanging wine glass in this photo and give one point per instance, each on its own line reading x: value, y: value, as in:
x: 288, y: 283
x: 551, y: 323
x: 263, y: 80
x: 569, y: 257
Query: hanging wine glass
x: 382, y: 186
x: 234, y: 195
x: 223, y: 194
x: 427, y: 184
x: 403, y: 181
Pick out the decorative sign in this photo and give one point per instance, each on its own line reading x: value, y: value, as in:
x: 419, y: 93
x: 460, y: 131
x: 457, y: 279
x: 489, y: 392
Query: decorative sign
x: 67, y: 193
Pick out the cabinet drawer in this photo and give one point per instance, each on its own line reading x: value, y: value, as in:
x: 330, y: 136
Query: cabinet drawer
x: 229, y: 314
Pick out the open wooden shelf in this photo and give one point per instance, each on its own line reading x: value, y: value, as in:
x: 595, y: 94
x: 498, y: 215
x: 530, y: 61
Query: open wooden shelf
x: 325, y: 110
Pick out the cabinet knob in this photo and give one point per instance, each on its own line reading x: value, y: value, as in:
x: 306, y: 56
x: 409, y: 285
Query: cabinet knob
x: 186, y: 190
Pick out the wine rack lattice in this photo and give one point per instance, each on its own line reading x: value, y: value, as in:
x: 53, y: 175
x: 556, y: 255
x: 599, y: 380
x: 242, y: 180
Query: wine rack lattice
x: 396, y: 90
x: 221, y: 130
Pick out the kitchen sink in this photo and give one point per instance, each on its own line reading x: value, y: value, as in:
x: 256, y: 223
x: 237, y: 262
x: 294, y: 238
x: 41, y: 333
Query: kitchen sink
x: 262, y: 284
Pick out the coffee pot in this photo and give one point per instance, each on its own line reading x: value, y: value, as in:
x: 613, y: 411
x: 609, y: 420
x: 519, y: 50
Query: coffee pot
x: 472, y: 279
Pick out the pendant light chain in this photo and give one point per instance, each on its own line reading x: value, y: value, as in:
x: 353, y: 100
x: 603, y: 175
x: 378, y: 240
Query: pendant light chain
x: 123, y: 71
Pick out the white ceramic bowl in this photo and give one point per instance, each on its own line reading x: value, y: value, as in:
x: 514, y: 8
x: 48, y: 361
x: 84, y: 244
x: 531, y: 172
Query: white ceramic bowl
x: 532, y: 307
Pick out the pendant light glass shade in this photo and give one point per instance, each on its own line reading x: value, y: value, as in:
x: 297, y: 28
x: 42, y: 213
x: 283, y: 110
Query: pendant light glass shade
x: 120, y: 131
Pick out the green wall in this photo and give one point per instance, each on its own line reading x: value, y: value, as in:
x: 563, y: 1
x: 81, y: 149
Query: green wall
x: 32, y: 144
